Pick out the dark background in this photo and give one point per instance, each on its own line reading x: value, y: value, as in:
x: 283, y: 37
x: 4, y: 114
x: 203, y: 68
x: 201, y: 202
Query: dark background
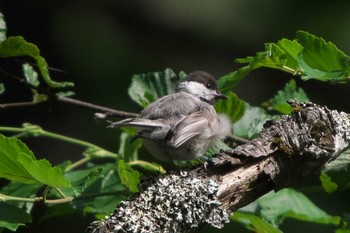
x: 101, y: 44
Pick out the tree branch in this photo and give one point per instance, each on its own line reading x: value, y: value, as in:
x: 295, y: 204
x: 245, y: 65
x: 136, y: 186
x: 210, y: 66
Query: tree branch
x: 288, y: 150
x: 106, y: 111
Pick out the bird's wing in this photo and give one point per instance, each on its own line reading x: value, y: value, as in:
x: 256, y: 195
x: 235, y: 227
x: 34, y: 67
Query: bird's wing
x: 139, y: 123
x: 194, y: 124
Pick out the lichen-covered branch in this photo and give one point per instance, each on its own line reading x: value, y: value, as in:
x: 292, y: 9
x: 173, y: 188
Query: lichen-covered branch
x: 288, y: 150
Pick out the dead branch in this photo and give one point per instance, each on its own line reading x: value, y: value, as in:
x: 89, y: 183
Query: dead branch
x: 288, y: 150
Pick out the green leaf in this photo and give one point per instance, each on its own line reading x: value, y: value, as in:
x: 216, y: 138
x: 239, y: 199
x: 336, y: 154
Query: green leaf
x: 12, y: 217
x: 342, y: 231
x: 42, y: 171
x: 228, y: 81
x: 281, y: 55
x: 30, y: 74
x: 216, y: 149
x: 290, y: 91
x: 129, y: 150
x: 339, y: 170
x: 254, y: 223
x: 3, y: 28
x: 288, y: 203
x: 146, y: 88
x: 128, y: 176
x: 322, y: 60
x: 16, y: 46
x: 291, y: 49
x: 110, y: 184
x: 250, y: 125
x: 328, y: 185
x: 17, y: 163
x: 81, y: 179
x: 2, y: 88
x: 32, y: 78
x: 232, y: 107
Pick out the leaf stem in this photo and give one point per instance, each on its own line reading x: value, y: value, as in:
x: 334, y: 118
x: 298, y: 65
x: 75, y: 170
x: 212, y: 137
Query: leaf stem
x: 148, y: 166
x: 78, y: 163
x: 34, y: 130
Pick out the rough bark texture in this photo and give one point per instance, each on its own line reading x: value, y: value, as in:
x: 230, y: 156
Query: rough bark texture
x: 288, y: 150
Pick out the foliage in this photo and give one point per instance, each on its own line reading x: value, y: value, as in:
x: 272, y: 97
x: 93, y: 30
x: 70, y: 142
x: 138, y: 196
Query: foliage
x: 100, y: 179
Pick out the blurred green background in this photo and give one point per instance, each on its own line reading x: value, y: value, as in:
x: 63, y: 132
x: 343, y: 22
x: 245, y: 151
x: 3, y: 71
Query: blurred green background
x: 101, y: 44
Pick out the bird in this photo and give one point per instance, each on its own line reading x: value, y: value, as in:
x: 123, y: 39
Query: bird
x: 182, y: 125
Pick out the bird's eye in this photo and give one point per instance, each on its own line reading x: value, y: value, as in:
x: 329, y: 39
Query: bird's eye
x: 208, y: 85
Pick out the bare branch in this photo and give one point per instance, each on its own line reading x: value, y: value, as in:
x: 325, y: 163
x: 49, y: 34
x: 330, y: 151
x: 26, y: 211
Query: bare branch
x: 107, y: 111
x: 290, y: 149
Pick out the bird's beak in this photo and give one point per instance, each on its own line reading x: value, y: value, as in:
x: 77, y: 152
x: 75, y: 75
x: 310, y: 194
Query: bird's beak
x: 221, y: 96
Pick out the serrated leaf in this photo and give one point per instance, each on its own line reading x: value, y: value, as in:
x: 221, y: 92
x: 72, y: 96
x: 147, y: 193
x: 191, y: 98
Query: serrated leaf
x: 2, y: 88
x: 288, y: 203
x: 291, y: 49
x: 10, y: 168
x: 254, y: 223
x: 12, y: 217
x: 232, y: 107
x: 146, y: 88
x: 18, y: 163
x: 42, y: 171
x: 290, y: 91
x: 17, y: 46
x: 322, y: 60
x: 3, y: 28
x: 281, y: 55
x: 339, y: 170
x: 128, y: 176
x: 250, y: 125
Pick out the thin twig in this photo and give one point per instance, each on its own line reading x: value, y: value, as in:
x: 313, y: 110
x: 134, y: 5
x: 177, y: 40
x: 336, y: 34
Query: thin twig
x: 108, y: 111
x: 18, y: 105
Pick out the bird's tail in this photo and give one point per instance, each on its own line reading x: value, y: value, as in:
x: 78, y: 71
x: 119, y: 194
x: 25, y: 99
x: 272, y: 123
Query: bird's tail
x: 139, y: 123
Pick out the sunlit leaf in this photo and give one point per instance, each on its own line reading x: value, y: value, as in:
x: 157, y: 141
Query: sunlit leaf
x: 328, y: 185
x: 18, y: 163
x: 322, y: 60
x: 128, y: 176
x: 254, y: 223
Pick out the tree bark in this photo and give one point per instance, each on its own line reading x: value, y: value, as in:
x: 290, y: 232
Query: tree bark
x: 288, y: 150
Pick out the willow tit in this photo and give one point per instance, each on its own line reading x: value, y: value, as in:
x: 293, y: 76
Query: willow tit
x: 182, y: 125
